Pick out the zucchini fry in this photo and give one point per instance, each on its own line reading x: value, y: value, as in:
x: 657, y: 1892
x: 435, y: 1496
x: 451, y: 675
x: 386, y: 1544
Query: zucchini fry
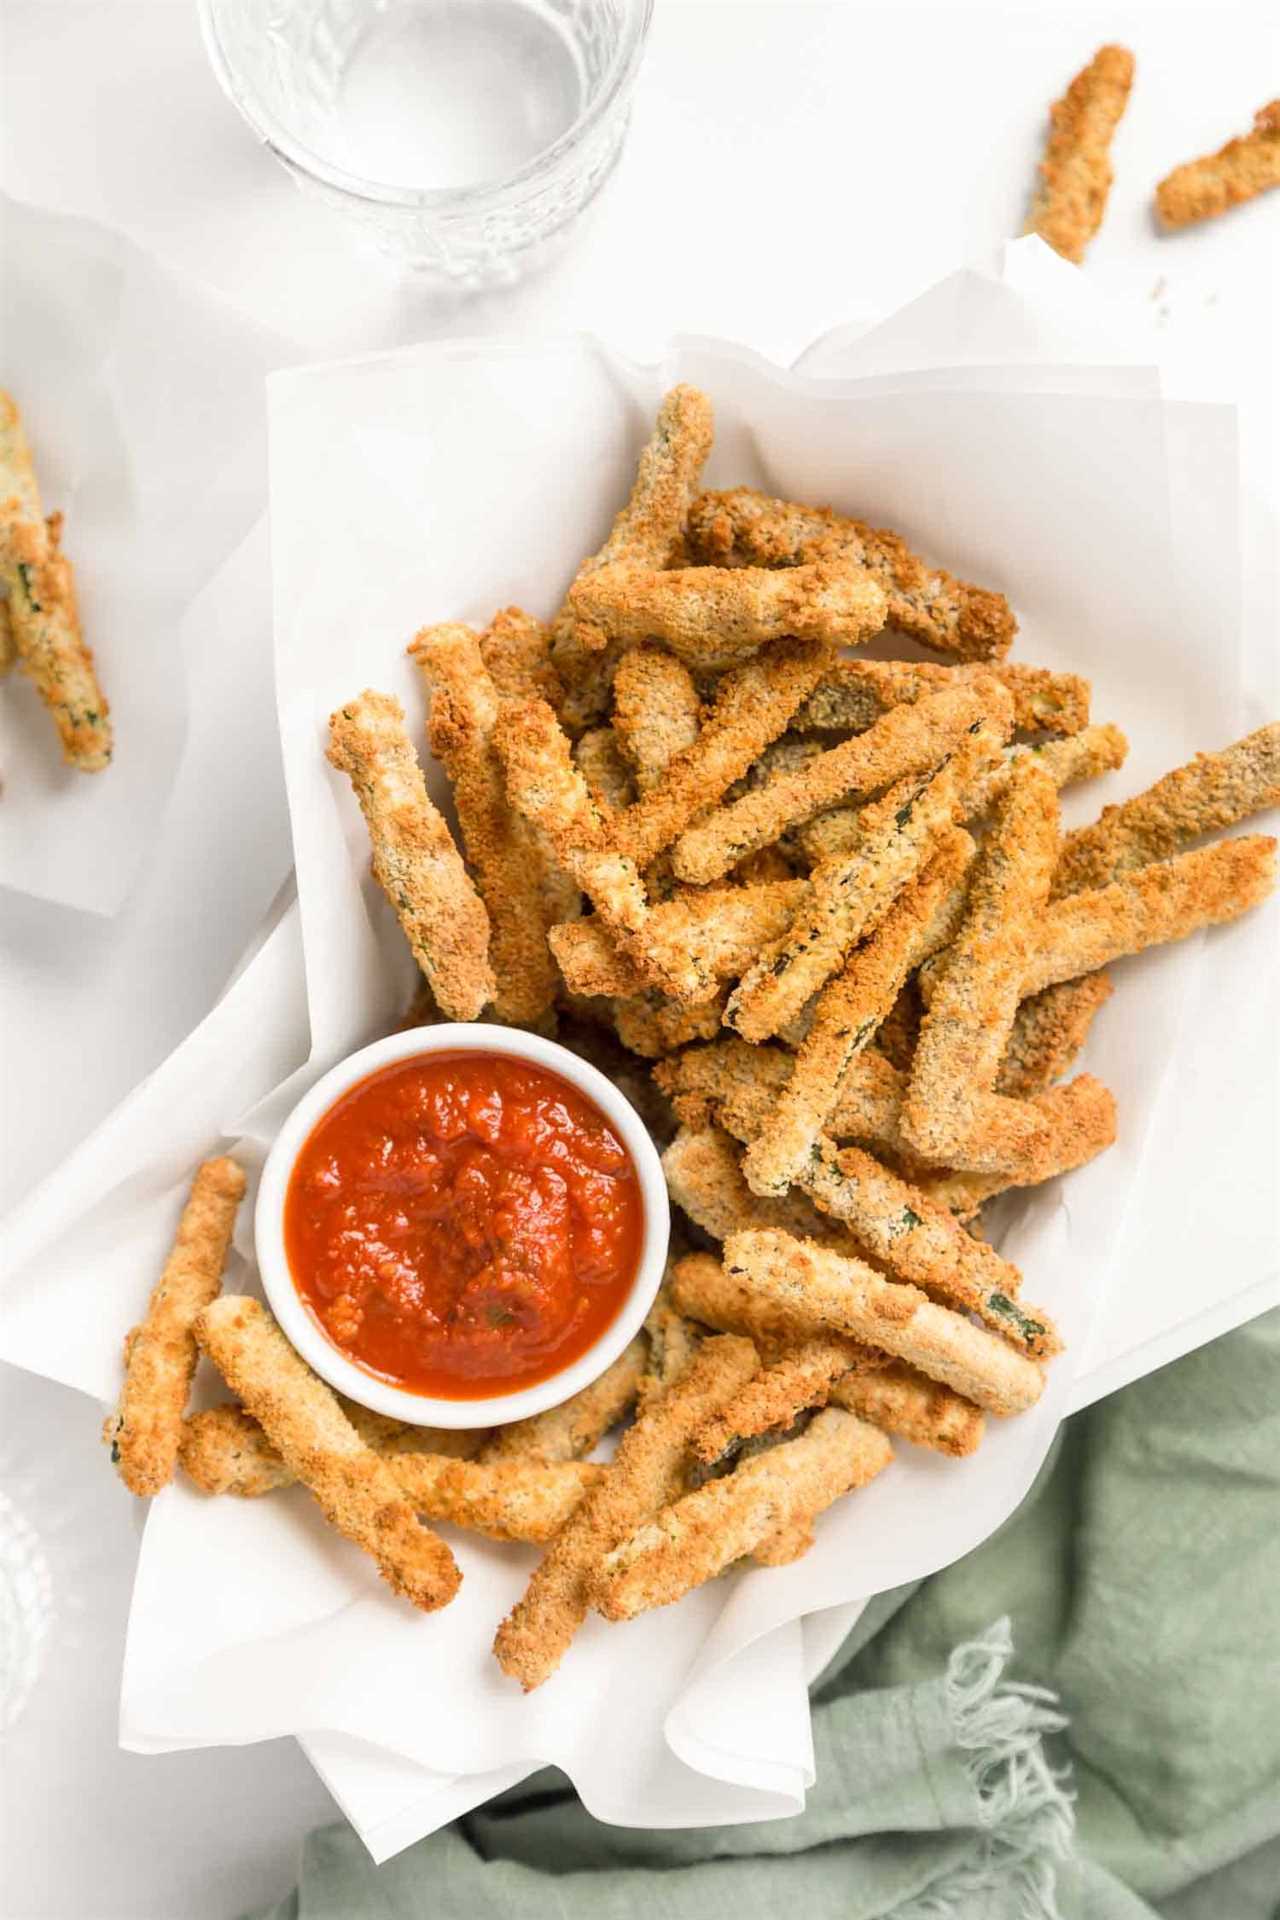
x: 507, y: 860
x: 504, y: 1499
x: 977, y: 988
x: 1244, y: 168
x: 651, y: 1025
x: 1213, y: 790
x: 922, y: 919
x: 354, y: 1486
x: 834, y: 1291
x: 698, y: 1537
x: 224, y: 1450
x: 1148, y: 906
x: 145, y: 1432
x: 719, y: 930
x: 534, y: 1637
x: 1075, y: 174
x: 931, y: 605
x: 1048, y: 1033
x: 516, y: 650
x: 657, y: 712
x: 911, y: 1407
x: 1079, y: 1123
x: 801, y: 1378
x: 910, y: 739
x: 714, y: 618
x: 414, y: 859
x: 600, y: 762
x: 705, y: 1180
x: 42, y: 621
x: 853, y: 694
x: 572, y: 1429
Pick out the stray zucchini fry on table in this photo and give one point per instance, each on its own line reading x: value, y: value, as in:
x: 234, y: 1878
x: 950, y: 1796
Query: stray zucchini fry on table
x: 42, y: 620
x: 1244, y: 168
x: 931, y: 605
x: 355, y: 1487
x: 699, y: 1536
x: 1075, y: 174
x: 536, y: 1634
x: 414, y: 858
x: 145, y: 1432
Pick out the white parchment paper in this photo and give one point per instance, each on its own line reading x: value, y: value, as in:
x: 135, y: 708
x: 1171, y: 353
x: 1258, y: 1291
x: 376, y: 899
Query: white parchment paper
x: 441, y: 484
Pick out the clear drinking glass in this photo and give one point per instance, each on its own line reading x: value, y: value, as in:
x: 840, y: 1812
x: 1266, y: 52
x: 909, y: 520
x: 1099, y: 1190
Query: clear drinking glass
x: 463, y: 137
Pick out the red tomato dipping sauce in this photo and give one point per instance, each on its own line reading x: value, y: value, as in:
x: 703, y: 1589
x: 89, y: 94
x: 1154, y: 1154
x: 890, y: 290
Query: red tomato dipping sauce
x: 463, y: 1224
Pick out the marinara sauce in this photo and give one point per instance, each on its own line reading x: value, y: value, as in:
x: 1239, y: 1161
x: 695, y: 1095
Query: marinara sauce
x: 463, y: 1224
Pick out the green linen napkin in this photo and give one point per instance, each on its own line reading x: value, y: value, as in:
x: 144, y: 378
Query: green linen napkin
x: 1108, y: 1749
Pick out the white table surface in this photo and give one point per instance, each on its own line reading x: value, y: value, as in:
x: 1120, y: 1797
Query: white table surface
x: 789, y: 165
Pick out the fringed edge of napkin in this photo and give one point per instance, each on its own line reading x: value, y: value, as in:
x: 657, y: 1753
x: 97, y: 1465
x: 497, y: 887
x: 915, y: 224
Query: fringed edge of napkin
x: 1024, y: 1806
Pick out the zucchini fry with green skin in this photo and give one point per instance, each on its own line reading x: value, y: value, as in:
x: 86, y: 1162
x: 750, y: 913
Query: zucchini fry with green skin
x: 698, y: 1537
x: 653, y: 1026
x: 536, y: 1634
x: 1048, y: 1033
x: 798, y: 1380
x: 912, y: 1407
x: 853, y: 694
x: 818, y: 1285
x: 572, y: 1429
x: 752, y: 707
x: 145, y: 1432
x: 224, y: 1450
x: 1213, y: 790
x: 648, y: 532
x: 673, y: 1341
x: 414, y: 859
x: 921, y: 920
x: 355, y: 1487
x: 714, y: 618
x: 42, y: 619
x: 503, y: 1499
x: 931, y: 605
x: 720, y: 930
x: 507, y: 860
x: 977, y: 988
x: 700, y: 1080
x: 1146, y: 907
x: 1239, y: 171
x: 703, y: 1289
x: 908, y: 740
x: 657, y: 712
x: 849, y: 895
x: 1075, y: 174
x: 705, y: 1180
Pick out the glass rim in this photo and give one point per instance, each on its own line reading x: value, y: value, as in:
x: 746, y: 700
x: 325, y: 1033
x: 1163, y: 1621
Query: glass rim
x: 442, y: 200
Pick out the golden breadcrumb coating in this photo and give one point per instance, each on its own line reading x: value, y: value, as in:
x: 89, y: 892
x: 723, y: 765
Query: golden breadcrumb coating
x: 145, y: 1431
x: 414, y: 859
x: 1048, y: 1032
x: 912, y: 1407
x: 1244, y: 168
x: 853, y: 694
x: 572, y: 1429
x: 1075, y: 174
x: 949, y: 615
x: 224, y: 1450
x: 657, y: 711
x: 354, y: 1486
x: 799, y: 1379
x: 503, y: 1499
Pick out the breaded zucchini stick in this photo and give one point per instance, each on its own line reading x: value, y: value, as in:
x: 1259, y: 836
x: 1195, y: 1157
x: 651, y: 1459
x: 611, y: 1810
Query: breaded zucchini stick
x: 543, y: 782
x: 1080, y: 756
x: 849, y: 895
x: 657, y: 711
x: 907, y: 740
x: 42, y: 621
x: 1244, y: 168
x: 1048, y: 1033
x: 911, y: 1407
x: 705, y: 1179
x: 534, y: 1637
x: 1075, y: 174
x: 818, y: 1285
x: 717, y: 617
x: 569, y: 1431
x: 697, y: 1538
x: 224, y: 1450
x: 931, y: 605
x: 1150, y: 905
x: 752, y: 707
x: 720, y: 929
x: 921, y: 920
x: 414, y: 859
x: 1079, y: 1122
x: 599, y: 760
x: 503, y: 1499
x: 507, y: 859
x: 648, y: 532
x: 651, y: 1025
x: 1213, y: 790
x: 799, y: 1379
x: 977, y: 988
x: 516, y: 650
x: 673, y: 1342
x: 145, y: 1432
x: 853, y: 694
x: 355, y: 1488
x: 700, y: 1080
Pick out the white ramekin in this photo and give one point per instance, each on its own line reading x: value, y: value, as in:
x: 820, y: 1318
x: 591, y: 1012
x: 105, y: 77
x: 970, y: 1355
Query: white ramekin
x: 306, y: 1334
